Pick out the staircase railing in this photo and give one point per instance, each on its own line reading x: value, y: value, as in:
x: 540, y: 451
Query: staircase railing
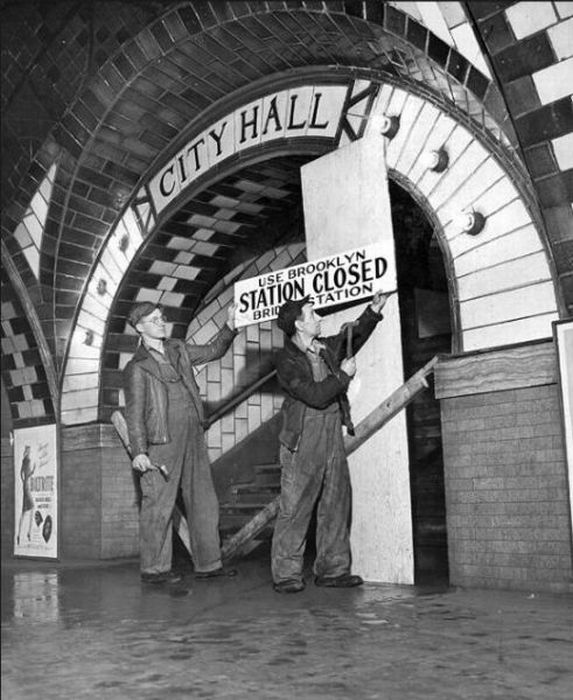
x: 377, y: 418
x: 238, y: 398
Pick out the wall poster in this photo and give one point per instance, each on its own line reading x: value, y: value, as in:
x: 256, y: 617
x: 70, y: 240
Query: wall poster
x: 563, y: 331
x: 36, y: 492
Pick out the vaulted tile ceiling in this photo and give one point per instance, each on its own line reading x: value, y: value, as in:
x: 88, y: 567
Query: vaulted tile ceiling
x: 106, y: 88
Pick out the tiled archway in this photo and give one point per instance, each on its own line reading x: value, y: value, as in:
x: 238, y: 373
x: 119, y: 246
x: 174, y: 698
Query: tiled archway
x: 505, y: 261
x: 157, y: 67
x: 172, y: 71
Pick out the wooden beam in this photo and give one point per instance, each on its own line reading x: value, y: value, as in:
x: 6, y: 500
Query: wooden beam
x: 515, y: 367
x: 383, y: 413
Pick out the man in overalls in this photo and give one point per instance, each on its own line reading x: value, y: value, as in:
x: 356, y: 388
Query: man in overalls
x: 165, y: 419
x: 315, y: 373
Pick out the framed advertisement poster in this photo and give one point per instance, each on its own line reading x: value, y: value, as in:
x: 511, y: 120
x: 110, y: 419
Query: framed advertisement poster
x: 563, y: 331
x: 36, y: 492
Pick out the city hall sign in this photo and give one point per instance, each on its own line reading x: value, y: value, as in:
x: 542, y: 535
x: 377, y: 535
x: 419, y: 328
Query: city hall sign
x: 306, y: 111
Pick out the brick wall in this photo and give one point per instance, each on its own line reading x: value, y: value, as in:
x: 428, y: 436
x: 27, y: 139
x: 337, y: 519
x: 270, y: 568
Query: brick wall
x: 98, y: 496
x: 506, y: 490
x: 120, y: 506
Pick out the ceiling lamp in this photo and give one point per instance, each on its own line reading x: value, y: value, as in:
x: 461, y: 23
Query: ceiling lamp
x: 389, y: 126
x: 470, y: 222
x: 437, y: 160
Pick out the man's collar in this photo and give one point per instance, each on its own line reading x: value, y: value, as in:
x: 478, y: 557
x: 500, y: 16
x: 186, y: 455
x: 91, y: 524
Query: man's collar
x: 148, y: 346
x: 143, y: 351
x: 313, y: 346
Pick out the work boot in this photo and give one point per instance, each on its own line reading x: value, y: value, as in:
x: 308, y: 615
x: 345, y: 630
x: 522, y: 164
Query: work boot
x: 289, y: 585
x: 163, y: 577
x: 342, y: 581
x: 216, y: 573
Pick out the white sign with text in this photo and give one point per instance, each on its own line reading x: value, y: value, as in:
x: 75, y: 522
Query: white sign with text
x: 352, y: 276
x: 302, y: 112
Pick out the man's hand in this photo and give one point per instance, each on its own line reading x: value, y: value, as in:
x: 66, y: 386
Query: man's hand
x: 378, y: 302
x: 348, y: 366
x: 141, y: 463
x: 231, y: 311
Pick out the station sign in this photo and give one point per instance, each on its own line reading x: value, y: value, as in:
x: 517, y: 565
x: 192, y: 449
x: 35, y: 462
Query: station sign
x: 305, y: 111
x: 352, y: 276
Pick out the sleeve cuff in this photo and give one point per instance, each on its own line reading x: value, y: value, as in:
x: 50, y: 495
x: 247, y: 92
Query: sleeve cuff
x: 377, y: 315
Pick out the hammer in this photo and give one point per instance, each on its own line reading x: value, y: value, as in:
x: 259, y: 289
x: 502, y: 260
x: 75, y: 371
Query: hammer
x: 348, y: 327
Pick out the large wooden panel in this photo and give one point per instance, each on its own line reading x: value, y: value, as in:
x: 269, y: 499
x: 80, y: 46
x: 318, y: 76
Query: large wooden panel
x: 347, y: 204
x: 509, y: 368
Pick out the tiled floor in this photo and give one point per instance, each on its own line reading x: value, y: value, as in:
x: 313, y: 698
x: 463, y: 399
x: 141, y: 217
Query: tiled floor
x: 72, y: 631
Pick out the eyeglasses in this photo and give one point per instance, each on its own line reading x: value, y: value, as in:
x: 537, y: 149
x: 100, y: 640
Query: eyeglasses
x: 155, y: 319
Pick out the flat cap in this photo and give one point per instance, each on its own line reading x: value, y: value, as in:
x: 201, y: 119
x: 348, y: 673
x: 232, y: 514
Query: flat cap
x: 289, y: 312
x: 140, y: 311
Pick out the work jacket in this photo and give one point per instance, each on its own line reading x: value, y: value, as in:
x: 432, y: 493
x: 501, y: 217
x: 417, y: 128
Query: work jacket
x: 146, y: 393
x: 294, y: 373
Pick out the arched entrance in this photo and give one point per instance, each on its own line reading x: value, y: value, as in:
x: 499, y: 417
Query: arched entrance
x: 203, y: 212
x: 426, y: 326
x: 488, y: 271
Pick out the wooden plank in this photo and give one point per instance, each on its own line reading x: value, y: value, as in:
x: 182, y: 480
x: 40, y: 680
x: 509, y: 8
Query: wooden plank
x: 237, y: 543
x: 398, y: 400
x: 514, y: 367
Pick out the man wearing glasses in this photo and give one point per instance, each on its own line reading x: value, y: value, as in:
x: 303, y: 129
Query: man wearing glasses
x: 165, y: 421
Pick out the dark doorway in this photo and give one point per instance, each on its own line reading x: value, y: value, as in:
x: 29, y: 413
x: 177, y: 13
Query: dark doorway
x: 426, y: 331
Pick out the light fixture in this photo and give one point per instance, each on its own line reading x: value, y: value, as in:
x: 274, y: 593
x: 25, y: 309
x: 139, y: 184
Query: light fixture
x: 124, y: 242
x: 101, y: 287
x: 389, y: 126
x: 52, y: 148
x: 384, y: 124
x: 120, y: 195
x: 437, y: 160
x: 470, y: 222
